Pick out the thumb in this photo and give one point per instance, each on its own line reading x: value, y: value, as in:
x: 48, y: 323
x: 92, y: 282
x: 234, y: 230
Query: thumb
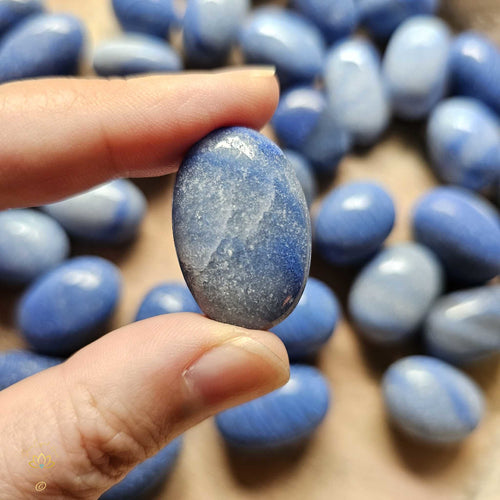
x: 121, y: 399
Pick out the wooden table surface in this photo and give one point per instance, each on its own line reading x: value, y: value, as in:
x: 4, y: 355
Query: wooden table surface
x: 355, y: 455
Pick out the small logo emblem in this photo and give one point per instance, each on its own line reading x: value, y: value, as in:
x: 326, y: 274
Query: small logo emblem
x: 40, y: 486
x: 41, y: 461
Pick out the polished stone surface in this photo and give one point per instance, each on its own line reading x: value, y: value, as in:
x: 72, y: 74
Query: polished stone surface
x: 305, y: 174
x: 392, y: 295
x: 431, y: 400
x: 14, y: 11
x: 463, y: 230
x: 241, y: 228
x: 284, y: 417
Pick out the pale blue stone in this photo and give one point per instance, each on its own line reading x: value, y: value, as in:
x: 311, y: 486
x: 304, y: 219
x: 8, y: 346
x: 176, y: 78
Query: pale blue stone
x: 393, y: 293
x: 14, y: 11
x: 431, y: 400
x: 356, y: 90
x: 464, y: 326
x: 109, y: 213
x: 305, y: 174
x: 416, y: 66
x: 31, y: 244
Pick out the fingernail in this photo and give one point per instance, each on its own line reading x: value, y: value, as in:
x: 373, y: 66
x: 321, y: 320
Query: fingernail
x: 253, y: 71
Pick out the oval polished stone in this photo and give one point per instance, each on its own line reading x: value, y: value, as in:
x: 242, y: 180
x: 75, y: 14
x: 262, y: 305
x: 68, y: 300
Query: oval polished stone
x: 167, y: 298
x: 31, y: 243
x: 312, y: 322
x: 14, y: 11
x: 16, y: 365
x: 135, y: 54
x: 64, y: 309
x: 415, y: 66
x: 241, y: 228
x: 304, y: 173
x: 393, y: 293
x: 464, y: 326
x: 144, y: 480
x: 284, y: 417
x: 353, y: 221
x: 463, y: 230
x: 356, y: 91
x: 286, y: 40
x: 463, y: 140
x: 210, y: 28
x: 109, y: 213
x: 335, y: 18
x: 59, y: 41
x: 431, y: 400
x: 475, y: 68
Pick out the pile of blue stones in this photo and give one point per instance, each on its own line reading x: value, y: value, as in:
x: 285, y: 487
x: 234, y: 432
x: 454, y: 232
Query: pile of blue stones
x: 240, y: 213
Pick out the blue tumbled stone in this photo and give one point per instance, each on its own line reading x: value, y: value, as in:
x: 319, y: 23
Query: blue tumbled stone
x: 167, y: 298
x: 335, y: 18
x: 210, y: 28
x: 64, y: 309
x: 464, y: 326
x: 353, y: 222
x: 16, y: 365
x: 134, y: 54
x: 110, y: 213
x: 42, y: 45
x: 144, y: 480
x: 311, y: 323
x: 463, y: 230
x: 416, y: 66
x: 241, y: 228
x: 393, y: 293
x: 286, y: 40
x: 305, y: 174
x: 475, y: 68
x: 14, y: 11
x: 463, y: 140
x: 31, y: 243
x: 282, y: 418
x: 432, y: 401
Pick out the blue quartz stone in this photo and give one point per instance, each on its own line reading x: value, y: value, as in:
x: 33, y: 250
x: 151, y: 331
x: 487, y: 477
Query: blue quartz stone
x: 463, y: 140
x: 312, y: 322
x: 393, y: 293
x: 382, y: 17
x: 305, y: 174
x: 14, y: 11
x: 241, y: 228
x: 110, y: 213
x: 144, y: 480
x: 353, y: 222
x: 356, y: 89
x: 282, y: 418
x: 58, y: 39
x: 153, y: 17
x: 31, y: 243
x: 64, y: 309
x: 464, y: 326
x: 335, y: 18
x: 210, y: 28
x: 463, y: 230
x: 305, y: 123
x: 286, y: 40
x: 134, y: 54
x: 16, y: 365
x: 167, y: 298
x: 475, y: 68
x: 432, y: 401
x: 416, y: 66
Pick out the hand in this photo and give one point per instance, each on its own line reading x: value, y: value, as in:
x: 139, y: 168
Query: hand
x: 122, y: 398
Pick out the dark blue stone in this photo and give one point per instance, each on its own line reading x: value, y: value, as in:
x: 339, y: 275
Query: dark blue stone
x: 58, y: 39
x: 284, y: 417
x: 167, y: 298
x: 144, y: 480
x: 475, y: 68
x: 311, y: 323
x: 463, y: 230
x: 241, y: 228
x: 305, y: 174
x: 353, y: 222
x: 13, y: 11
x: 64, y: 309
x: 18, y: 364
